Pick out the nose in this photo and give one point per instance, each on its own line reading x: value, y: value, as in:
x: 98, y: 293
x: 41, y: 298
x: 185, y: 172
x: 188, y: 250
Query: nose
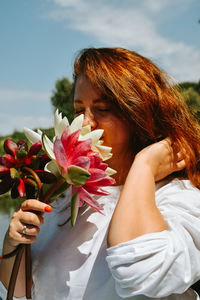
x: 89, y: 119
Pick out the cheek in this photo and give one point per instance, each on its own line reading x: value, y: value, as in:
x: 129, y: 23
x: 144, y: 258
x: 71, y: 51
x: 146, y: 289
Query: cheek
x: 118, y: 135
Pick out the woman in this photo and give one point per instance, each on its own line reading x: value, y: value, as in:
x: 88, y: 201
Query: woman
x: 146, y: 245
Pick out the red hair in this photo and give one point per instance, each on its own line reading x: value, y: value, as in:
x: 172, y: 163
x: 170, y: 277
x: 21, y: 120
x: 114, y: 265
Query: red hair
x: 146, y: 97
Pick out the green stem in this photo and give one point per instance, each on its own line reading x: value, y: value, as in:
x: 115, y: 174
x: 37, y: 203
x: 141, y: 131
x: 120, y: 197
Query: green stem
x: 52, y: 190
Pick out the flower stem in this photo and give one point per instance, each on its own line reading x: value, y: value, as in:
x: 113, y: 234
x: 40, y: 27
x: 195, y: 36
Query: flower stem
x: 15, y: 270
x: 28, y: 271
x: 36, y: 177
x: 52, y: 190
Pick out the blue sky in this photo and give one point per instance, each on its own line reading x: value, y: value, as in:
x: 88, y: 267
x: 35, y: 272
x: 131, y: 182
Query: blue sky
x: 40, y: 38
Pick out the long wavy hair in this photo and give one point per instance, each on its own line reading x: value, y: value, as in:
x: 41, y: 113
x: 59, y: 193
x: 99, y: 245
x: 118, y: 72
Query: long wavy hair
x: 147, y: 98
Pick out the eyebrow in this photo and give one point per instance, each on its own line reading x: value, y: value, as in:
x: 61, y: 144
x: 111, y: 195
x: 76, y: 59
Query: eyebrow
x: 94, y: 101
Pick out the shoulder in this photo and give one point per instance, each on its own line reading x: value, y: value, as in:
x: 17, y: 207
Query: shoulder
x: 177, y: 192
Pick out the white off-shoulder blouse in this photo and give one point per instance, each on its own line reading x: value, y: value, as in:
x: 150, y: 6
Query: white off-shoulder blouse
x: 75, y: 264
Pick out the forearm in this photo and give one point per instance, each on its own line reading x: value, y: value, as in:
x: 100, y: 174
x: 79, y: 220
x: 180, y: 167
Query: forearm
x: 6, y: 266
x: 136, y: 212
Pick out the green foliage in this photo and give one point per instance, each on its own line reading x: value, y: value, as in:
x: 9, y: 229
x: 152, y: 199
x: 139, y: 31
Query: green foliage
x: 189, y: 84
x: 62, y: 98
x: 191, y: 94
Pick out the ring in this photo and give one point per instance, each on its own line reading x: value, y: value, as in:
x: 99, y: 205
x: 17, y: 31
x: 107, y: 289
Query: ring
x: 24, y: 229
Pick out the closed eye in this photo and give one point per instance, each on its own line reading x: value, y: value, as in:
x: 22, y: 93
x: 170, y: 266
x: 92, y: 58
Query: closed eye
x: 79, y: 111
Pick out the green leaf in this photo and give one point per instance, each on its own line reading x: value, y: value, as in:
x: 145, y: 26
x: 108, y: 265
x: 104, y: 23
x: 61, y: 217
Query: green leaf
x: 77, y: 175
x: 74, y: 208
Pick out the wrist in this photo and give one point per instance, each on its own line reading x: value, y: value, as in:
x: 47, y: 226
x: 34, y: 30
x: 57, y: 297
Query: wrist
x: 142, y: 166
x: 8, y: 246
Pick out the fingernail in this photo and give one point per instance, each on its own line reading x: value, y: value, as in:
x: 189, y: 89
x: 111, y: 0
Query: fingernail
x: 48, y: 209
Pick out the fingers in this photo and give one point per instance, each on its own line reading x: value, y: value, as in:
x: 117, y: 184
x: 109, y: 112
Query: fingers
x: 25, y: 222
x: 33, y: 204
x: 180, y: 165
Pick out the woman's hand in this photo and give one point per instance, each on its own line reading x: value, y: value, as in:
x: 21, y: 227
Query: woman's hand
x: 25, y: 222
x: 163, y: 158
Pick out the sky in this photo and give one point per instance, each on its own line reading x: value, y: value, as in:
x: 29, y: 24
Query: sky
x: 39, y: 40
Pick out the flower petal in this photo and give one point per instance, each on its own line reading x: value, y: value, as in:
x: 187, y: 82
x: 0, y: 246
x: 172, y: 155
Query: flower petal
x: 86, y: 129
x: 69, y: 143
x: 5, y: 185
x: 60, y: 124
x: 82, y: 162
x: 104, y: 151
x: 95, y: 135
x: 46, y: 177
x: 21, y: 188
x: 48, y: 146
x: 52, y: 167
x: 31, y: 135
x: 77, y: 175
x: 81, y: 149
x: 95, y: 190
x: 110, y: 171
x: 4, y: 171
x: 60, y: 154
x: 76, y: 124
x: 86, y: 197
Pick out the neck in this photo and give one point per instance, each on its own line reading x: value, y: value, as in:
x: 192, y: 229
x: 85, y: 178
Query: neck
x: 122, y: 167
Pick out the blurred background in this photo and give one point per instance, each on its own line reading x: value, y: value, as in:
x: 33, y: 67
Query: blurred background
x: 39, y: 41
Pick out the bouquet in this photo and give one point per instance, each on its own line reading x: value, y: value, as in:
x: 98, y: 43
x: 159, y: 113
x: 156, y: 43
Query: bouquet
x: 46, y: 169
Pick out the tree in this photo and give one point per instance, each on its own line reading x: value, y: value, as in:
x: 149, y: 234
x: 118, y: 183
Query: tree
x: 187, y: 84
x: 192, y: 98
x: 62, y: 97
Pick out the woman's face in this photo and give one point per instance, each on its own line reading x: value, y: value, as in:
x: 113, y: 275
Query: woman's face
x: 101, y: 114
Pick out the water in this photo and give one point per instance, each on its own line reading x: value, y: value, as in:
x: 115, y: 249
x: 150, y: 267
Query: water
x: 4, y: 221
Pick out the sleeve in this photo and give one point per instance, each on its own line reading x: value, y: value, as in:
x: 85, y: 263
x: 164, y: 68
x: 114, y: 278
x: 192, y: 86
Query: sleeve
x: 3, y: 293
x: 161, y: 263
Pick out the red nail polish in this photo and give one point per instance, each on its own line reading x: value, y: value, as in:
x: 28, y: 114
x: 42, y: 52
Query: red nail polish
x: 48, y: 209
x: 1, y: 256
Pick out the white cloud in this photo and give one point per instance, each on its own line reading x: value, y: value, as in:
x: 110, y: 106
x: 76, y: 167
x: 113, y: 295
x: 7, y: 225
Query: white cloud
x: 133, y: 24
x: 10, y: 123
x: 21, y: 95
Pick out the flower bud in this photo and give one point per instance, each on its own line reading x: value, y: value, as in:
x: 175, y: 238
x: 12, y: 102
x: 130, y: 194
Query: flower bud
x: 7, y: 160
x: 10, y: 147
x: 22, y: 144
x: 22, y: 149
x: 35, y: 148
x: 21, y: 153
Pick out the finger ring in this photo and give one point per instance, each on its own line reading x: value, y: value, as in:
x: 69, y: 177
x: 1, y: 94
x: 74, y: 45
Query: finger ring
x: 24, y: 229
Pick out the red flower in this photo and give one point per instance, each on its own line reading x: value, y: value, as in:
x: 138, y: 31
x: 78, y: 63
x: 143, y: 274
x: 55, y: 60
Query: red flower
x: 13, y: 175
x: 82, y: 168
